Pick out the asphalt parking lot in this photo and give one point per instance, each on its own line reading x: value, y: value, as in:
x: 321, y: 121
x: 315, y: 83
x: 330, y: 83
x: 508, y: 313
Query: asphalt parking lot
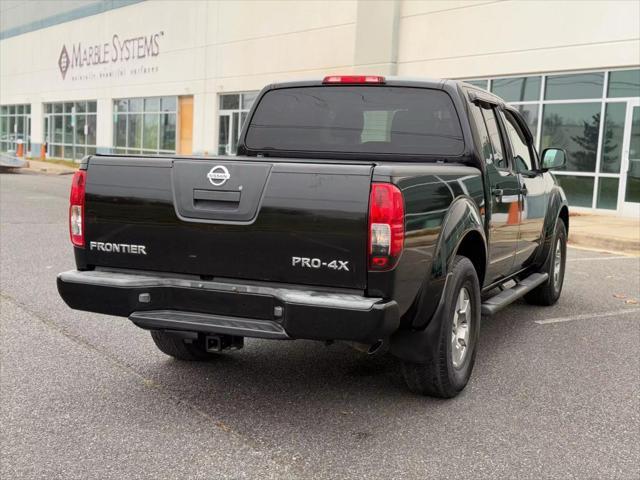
x: 554, y: 394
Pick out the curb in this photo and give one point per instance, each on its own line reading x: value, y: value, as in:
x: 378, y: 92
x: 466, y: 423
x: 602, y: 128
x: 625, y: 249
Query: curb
x: 609, y: 244
x: 47, y: 169
x: 44, y: 171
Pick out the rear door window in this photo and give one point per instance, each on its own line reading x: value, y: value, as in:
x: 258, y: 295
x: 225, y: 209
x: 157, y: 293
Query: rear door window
x: 356, y: 119
x: 485, y: 142
x: 498, y: 159
x: 522, y: 157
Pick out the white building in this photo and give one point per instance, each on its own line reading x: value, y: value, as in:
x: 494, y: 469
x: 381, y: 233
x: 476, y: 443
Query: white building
x: 179, y: 76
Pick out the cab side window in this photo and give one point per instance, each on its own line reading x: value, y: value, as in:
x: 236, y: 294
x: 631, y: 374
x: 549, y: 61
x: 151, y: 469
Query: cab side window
x: 499, y: 159
x: 522, y: 157
x: 492, y: 151
x: 486, y: 148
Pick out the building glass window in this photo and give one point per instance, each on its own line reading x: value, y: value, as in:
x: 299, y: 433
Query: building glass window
x: 575, y: 127
x: 607, y: 193
x: 520, y: 89
x: 612, y: 137
x: 145, y: 125
x: 575, y: 86
x: 233, y: 111
x: 70, y: 129
x: 584, y: 113
x: 480, y: 83
x: 624, y: 83
x: 15, y: 125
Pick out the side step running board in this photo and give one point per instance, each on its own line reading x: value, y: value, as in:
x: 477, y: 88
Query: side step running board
x: 202, y: 322
x: 510, y: 295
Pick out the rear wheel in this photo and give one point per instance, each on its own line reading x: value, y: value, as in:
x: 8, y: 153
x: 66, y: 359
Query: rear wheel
x: 549, y: 292
x: 181, y: 348
x: 449, y: 365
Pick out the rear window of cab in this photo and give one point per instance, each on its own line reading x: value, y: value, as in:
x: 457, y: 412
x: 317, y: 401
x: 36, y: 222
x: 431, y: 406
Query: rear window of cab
x: 356, y: 119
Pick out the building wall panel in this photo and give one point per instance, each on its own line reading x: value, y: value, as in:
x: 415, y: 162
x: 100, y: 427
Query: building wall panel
x: 478, y: 39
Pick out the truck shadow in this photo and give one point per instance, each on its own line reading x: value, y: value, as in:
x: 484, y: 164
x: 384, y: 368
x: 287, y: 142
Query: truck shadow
x: 308, y: 392
x: 267, y: 374
x: 287, y: 367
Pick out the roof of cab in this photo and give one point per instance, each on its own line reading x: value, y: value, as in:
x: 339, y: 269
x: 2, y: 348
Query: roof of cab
x: 426, y: 82
x: 398, y: 81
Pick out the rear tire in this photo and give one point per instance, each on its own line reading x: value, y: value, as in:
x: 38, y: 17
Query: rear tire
x: 449, y: 365
x: 549, y: 292
x: 177, y: 347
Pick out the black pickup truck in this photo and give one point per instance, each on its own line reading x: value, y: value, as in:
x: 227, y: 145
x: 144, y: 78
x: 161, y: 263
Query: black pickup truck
x: 388, y: 213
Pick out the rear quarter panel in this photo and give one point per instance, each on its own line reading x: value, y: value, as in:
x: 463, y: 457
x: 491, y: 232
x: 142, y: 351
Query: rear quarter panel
x: 438, y: 198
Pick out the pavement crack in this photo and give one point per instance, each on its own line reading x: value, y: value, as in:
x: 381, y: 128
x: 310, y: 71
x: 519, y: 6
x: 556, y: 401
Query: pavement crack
x: 279, y: 459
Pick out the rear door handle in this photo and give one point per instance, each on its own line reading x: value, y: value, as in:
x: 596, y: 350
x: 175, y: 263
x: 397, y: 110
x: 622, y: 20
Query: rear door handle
x: 497, y: 192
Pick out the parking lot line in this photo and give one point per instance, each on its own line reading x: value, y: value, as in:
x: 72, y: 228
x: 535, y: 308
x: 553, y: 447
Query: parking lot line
x: 587, y: 316
x: 582, y: 259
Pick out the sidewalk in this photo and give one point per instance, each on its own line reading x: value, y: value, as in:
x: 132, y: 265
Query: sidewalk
x: 604, y: 232
x: 49, y: 167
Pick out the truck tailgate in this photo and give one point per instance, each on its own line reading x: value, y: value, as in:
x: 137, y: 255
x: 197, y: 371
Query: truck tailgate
x: 243, y: 218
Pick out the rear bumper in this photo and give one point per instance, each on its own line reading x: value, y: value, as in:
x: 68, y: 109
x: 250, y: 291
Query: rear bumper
x: 264, y: 311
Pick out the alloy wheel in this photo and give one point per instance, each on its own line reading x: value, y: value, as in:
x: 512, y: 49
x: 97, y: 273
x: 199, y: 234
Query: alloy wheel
x: 460, y: 331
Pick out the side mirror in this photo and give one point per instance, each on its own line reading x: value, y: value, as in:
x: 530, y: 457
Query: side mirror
x: 553, y: 158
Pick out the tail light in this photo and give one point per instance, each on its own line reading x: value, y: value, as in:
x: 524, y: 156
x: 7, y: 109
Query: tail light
x: 76, y: 208
x: 353, y: 79
x: 386, y: 226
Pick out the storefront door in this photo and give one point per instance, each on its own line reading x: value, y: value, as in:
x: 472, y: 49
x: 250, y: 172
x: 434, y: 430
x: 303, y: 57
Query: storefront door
x: 630, y: 173
x: 185, y: 110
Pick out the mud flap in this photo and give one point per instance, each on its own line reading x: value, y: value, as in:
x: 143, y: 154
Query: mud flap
x: 416, y: 345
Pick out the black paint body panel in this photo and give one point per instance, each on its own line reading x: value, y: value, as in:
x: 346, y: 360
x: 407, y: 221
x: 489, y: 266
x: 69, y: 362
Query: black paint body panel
x: 286, y: 210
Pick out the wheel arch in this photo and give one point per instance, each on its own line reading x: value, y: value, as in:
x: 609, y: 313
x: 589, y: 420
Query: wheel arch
x: 558, y: 209
x: 564, y: 216
x: 473, y: 247
x: 462, y: 233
